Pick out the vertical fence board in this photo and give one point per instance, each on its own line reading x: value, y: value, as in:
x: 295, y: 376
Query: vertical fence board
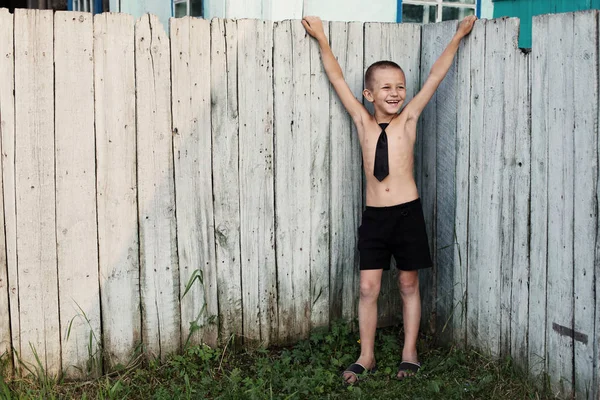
x: 561, y: 120
x: 489, y: 186
x: 193, y: 179
x: 353, y: 205
x: 476, y: 209
x: 255, y: 85
x: 346, y: 187
x: 320, y: 219
x: 585, y: 78
x: 9, y: 289
x: 76, y: 224
x: 508, y: 137
x: 224, y: 67
x: 118, y: 244
x: 401, y: 44
x: 159, y: 274
x: 463, y: 132
x: 445, y: 195
x: 431, y: 49
x: 291, y: 69
x: 35, y: 190
x: 539, y: 197
x: 521, y: 106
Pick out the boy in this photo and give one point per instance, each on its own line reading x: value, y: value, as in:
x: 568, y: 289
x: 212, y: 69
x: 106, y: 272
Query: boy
x: 393, y: 220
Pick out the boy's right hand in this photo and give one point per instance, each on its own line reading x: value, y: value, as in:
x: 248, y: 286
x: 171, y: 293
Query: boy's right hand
x: 466, y: 26
x: 314, y: 27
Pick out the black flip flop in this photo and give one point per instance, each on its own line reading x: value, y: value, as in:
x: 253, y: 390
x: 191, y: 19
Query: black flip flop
x: 357, y: 370
x: 410, y: 367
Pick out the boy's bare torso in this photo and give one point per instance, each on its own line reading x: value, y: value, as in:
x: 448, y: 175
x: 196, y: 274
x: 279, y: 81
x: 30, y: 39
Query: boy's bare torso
x: 399, y: 186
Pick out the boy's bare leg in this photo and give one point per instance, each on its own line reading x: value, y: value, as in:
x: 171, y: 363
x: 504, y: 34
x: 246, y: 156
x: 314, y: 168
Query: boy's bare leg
x: 370, y: 284
x: 408, y: 281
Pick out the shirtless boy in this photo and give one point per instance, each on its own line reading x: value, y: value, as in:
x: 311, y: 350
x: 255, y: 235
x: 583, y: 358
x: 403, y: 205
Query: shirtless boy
x: 392, y: 223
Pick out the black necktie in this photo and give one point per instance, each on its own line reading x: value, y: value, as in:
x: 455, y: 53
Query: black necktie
x: 381, y: 168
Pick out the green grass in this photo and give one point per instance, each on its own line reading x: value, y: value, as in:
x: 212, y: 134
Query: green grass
x: 309, y: 370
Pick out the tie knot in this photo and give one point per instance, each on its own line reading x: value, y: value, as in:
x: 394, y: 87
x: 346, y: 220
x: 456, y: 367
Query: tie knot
x: 384, y: 125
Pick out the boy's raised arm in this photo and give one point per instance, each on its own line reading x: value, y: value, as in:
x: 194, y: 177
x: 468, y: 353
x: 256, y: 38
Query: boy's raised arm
x: 314, y: 27
x: 439, y: 70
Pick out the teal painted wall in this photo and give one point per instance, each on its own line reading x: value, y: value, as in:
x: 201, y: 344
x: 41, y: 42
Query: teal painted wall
x: 526, y: 9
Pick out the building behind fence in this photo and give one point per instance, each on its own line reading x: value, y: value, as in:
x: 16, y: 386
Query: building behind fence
x: 164, y: 191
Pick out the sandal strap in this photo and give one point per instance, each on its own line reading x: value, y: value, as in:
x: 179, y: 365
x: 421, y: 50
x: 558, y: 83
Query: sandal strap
x: 409, y: 366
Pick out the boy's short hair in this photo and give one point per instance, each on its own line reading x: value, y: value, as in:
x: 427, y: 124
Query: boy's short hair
x: 376, y: 66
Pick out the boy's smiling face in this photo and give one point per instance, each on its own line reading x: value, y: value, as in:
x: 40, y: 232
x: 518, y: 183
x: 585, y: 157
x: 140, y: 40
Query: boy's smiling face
x: 387, y: 91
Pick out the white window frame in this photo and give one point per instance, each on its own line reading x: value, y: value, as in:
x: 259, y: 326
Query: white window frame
x: 439, y: 4
x: 187, y: 4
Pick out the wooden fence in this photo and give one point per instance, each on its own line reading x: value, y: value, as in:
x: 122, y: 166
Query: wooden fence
x: 161, y: 191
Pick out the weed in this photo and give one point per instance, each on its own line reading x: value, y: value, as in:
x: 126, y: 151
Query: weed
x: 308, y: 370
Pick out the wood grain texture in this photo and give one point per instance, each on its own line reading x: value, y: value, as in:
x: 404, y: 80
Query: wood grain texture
x: 476, y: 213
x: 561, y: 121
x: 585, y: 176
x: 257, y: 216
x: 539, y: 197
x: 192, y: 145
x: 320, y: 175
x: 159, y: 272
x: 520, y: 71
x: 291, y: 66
x: 224, y: 65
x: 462, y: 168
x: 9, y: 289
x: 431, y: 49
x: 346, y: 187
x: 118, y: 242
x: 445, y: 197
x: 35, y: 191
x: 508, y: 239
x: 76, y: 219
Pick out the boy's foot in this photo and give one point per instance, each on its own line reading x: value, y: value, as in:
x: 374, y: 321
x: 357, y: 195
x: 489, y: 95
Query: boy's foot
x: 407, y: 369
x: 354, y: 371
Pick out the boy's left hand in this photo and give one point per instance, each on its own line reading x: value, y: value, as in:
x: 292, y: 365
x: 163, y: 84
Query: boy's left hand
x: 466, y: 26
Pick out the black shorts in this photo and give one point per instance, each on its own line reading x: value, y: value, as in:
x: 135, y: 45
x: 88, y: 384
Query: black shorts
x: 398, y: 230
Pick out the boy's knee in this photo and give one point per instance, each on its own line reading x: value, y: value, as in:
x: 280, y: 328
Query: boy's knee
x: 408, y: 282
x: 369, y: 289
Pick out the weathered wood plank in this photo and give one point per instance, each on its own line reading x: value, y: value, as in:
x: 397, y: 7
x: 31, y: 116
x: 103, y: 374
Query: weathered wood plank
x: 561, y: 120
x: 401, y: 44
x: 118, y: 243
x: 427, y: 132
x: 226, y: 193
x: 585, y: 176
x: 9, y: 290
x: 445, y: 197
x: 255, y: 96
x: 346, y: 177
x: 159, y: 272
x: 291, y: 75
x: 76, y: 223
x: 489, y: 185
x: 463, y: 133
x: 35, y: 187
x: 193, y: 179
x: 539, y: 197
x: 519, y: 310
x: 507, y: 240
x: 320, y: 188
x: 35, y: 190
x: 477, y: 210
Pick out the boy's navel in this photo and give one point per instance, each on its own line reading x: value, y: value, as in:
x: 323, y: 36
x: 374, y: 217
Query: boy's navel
x: 387, y: 189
